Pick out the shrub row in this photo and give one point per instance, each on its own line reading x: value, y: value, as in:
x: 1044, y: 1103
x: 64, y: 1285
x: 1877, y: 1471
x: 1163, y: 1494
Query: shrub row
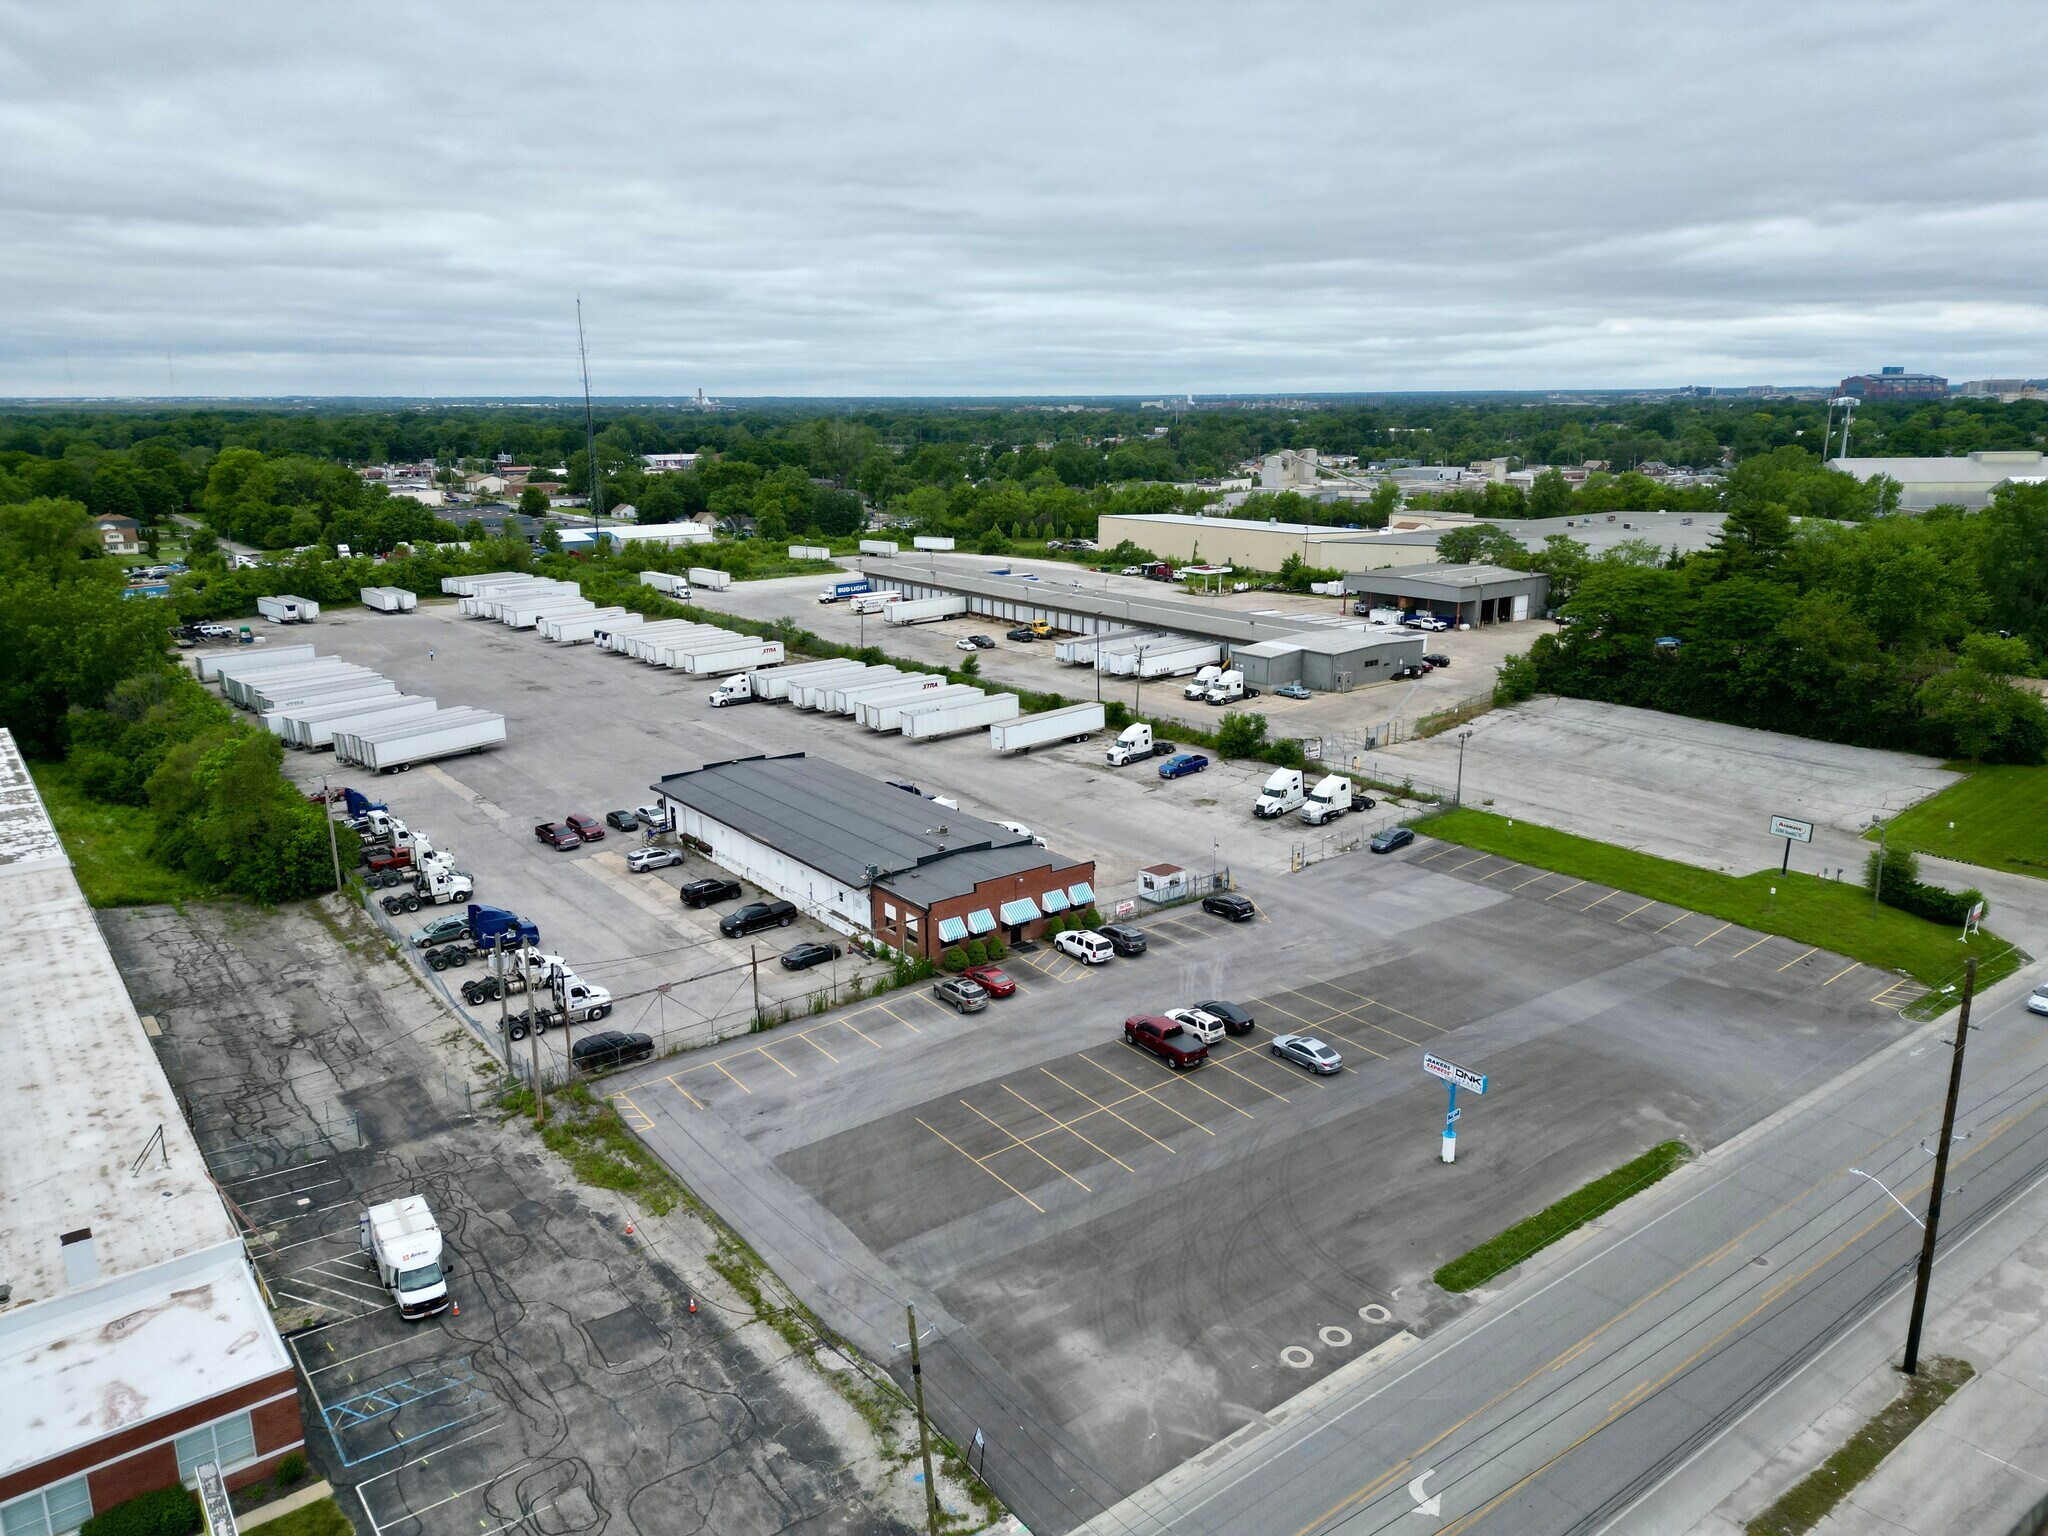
x: 1895, y: 872
x: 975, y: 952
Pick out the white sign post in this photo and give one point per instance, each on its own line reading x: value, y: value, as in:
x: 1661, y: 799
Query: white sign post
x: 1793, y: 832
x: 1454, y: 1077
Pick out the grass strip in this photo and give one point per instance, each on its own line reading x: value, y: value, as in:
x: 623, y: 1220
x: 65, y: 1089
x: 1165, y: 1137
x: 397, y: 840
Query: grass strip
x: 323, y: 1517
x: 1532, y: 1234
x: 1826, y: 914
x: 587, y: 1133
x: 1997, y: 818
x: 109, y: 845
x: 1807, y: 1502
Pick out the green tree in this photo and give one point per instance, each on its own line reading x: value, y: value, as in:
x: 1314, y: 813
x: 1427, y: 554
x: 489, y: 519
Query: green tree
x: 1382, y: 504
x: 1240, y: 734
x: 1983, y: 712
x: 1550, y: 495
x: 533, y: 502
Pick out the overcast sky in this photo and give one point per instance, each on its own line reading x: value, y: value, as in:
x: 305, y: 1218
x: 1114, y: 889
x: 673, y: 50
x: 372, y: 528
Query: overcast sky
x: 1015, y: 198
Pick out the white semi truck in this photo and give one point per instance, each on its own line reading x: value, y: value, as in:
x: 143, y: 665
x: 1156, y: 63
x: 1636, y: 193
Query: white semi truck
x: 1331, y: 798
x: 1281, y: 793
x: 404, y: 1242
x: 1135, y: 745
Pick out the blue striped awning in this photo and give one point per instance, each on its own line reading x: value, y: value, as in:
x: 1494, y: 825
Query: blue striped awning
x: 980, y: 920
x: 1054, y: 900
x: 1083, y: 893
x: 951, y: 930
x: 1022, y: 910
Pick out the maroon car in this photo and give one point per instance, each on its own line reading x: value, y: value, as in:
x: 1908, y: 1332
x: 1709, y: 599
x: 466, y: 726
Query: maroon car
x: 555, y: 835
x: 589, y: 828
x: 994, y: 980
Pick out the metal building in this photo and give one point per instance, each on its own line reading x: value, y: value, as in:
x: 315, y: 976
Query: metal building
x: 1464, y: 594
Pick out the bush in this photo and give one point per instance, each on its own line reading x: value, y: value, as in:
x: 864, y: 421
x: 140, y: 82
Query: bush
x: 291, y: 1468
x: 1895, y: 873
x: 167, y: 1512
x: 1055, y: 925
x: 954, y: 959
x: 977, y: 952
x: 1517, y: 680
x: 1088, y: 917
x: 997, y: 949
x: 1117, y: 714
x: 1240, y: 734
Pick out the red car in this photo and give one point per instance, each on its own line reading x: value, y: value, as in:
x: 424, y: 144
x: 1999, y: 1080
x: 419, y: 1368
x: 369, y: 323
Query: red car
x: 992, y: 979
x: 589, y: 828
x: 555, y: 835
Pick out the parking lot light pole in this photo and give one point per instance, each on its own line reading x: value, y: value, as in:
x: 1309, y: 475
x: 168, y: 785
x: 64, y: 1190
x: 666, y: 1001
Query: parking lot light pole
x: 1458, y: 797
x: 333, y: 840
x: 1877, y: 883
x: 1911, y: 1365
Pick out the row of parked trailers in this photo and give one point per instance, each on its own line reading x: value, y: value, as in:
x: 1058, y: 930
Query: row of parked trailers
x: 313, y: 701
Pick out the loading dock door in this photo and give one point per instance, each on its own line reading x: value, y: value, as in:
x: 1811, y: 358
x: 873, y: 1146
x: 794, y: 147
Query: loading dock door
x: 1521, y: 609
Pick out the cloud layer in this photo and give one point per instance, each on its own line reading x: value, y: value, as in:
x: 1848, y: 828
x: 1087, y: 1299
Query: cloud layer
x: 1016, y: 198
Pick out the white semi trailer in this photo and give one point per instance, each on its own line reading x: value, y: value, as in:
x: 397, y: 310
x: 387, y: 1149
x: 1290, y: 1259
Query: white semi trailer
x: 924, y: 610
x: 955, y: 719
x: 775, y: 683
x: 215, y: 665
x: 886, y: 714
x: 395, y: 748
x: 1076, y: 722
x: 388, y: 599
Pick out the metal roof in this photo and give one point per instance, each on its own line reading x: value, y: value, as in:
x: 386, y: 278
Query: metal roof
x: 835, y: 820
x: 959, y: 873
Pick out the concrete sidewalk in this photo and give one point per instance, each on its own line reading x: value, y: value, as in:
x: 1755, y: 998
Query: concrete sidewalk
x: 1975, y: 1467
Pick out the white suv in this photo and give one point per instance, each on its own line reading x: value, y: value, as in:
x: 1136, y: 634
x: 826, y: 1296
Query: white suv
x: 1205, y: 1027
x: 1089, y: 948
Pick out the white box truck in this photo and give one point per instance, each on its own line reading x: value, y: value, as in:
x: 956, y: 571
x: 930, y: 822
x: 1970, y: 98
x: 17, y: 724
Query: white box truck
x: 953, y: 719
x: 886, y: 714
x: 404, y: 1243
x: 1281, y: 793
x: 1076, y: 722
x: 924, y: 610
x: 1330, y: 799
x: 875, y: 602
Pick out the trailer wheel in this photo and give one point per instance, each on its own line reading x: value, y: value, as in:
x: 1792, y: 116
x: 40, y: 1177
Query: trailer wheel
x: 518, y: 1029
x: 436, y: 960
x: 461, y: 957
x: 410, y: 903
x: 391, y: 906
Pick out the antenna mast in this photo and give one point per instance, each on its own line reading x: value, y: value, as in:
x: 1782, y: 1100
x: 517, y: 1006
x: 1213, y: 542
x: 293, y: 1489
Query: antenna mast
x: 589, y: 419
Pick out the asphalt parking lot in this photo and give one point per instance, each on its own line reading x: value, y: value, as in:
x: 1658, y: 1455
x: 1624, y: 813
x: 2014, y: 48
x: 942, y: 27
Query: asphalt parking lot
x: 1122, y: 1265
x: 575, y: 1390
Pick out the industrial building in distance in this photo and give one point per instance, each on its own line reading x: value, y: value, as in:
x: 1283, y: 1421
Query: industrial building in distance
x: 134, y: 1339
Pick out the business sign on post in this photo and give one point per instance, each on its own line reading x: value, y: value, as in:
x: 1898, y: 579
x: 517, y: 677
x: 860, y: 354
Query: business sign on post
x: 213, y: 1500
x: 1451, y: 1072
x: 1796, y: 831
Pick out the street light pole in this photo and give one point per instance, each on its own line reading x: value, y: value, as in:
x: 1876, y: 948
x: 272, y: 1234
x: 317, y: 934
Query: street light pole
x: 1458, y: 798
x: 1877, y: 884
x: 1948, y: 1127
x: 1138, y: 699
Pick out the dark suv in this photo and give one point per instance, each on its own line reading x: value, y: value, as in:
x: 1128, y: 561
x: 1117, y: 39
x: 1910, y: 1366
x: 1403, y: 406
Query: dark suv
x: 701, y: 893
x: 1236, y: 908
x: 1123, y: 938
x: 755, y: 916
x: 610, y: 1048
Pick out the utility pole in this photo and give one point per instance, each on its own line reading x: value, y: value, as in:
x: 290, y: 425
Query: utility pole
x: 1877, y: 884
x: 498, y: 975
x: 1138, y: 699
x: 1948, y: 1128
x: 540, y: 1087
x: 333, y: 840
x: 1458, y: 798
x: 924, y: 1432
x: 754, y: 966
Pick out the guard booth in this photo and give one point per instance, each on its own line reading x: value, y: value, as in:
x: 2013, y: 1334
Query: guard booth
x: 1164, y: 882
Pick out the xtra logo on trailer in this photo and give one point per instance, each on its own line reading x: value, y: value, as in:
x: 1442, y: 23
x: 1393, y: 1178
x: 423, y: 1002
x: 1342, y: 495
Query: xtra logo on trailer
x: 1451, y: 1072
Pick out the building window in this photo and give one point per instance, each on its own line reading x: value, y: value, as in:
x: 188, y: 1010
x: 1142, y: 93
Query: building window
x: 50, y: 1511
x: 888, y: 911
x: 226, y: 1443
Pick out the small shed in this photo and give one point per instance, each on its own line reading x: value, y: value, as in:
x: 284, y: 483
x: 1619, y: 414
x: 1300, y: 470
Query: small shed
x: 1164, y: 882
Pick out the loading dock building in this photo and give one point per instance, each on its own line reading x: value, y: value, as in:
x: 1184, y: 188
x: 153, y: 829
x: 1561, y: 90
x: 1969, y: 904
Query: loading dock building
x: 1330, y: 660
x: 868, y: 858
x: 1464, y: 594
x: 135, y: 1345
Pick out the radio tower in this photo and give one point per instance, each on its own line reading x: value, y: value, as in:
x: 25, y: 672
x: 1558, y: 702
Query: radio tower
x: 589, y: 423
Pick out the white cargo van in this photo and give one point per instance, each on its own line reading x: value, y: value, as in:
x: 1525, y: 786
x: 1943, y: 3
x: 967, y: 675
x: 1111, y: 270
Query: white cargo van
x: 404, y: 1241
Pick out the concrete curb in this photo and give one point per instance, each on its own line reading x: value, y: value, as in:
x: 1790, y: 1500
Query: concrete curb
x: 277, y: 1508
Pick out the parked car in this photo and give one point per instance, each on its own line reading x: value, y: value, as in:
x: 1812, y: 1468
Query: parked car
x: 654, y: 816
x: 1235, y: 1020
x: 801, y: 957
x: 1436, y: 658
x: 1123, y: 938
x: 555, y: 835
x: 1307, y: 1051
x: 1132, y: 570
x: 625, y: 821
x: 755, y: 916
x: 995, y: 981
x: 641, y: 860
x: 1227, y: 904
x: 1165, y: 1039
x: 964, y: 643
x: 1181, y: 764
x: 1089, y: 948
x: 1392, y: 838
x: 1292, y: 691
x: 701, y: 893
x: 442, y: 930
x: 589, y: 828
x: 2037, y: 1000
x: 610, y: 1048
x: 1022, y: 632
x: 961, y: 993
x: 1205, y: 1027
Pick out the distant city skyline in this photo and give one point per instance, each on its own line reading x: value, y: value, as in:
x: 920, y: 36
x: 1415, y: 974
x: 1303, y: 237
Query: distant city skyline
x: 1039, y: 200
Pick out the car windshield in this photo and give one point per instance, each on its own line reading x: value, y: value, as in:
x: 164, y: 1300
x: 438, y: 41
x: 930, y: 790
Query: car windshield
x: 423, y: 1278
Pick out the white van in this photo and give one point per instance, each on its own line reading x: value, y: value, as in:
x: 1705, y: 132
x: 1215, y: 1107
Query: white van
x: 1089, y: 948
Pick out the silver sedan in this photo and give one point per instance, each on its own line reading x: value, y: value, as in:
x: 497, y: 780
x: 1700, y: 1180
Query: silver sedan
x: 1307, y: 1051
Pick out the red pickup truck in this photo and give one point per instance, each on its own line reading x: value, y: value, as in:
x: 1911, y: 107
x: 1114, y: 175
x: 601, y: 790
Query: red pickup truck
x: 1164, y: 1039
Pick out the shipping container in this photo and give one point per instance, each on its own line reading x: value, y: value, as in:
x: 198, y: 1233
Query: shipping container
x: 953, y: 719
x: 215, y: 665
x: 924, y: 610
x: 887, y: 714
x: 1076, y: 722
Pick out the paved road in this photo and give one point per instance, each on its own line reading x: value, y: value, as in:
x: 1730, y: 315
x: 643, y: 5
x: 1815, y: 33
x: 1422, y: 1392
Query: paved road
x: 1559, y: 1406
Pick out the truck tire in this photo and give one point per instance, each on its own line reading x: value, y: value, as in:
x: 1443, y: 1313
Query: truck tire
x: 784, y: 923
x: 516, y: 1027
x: 540, y: 1025
x: 472, y: 994
x: 461, y: 956
x: 601, y: 1011
x: 410, y: 903
x: 391, y: 906
x: 436, y: 961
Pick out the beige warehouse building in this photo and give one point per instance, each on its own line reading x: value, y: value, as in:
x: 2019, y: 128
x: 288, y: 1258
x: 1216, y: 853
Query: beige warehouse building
x: 1261, y: 546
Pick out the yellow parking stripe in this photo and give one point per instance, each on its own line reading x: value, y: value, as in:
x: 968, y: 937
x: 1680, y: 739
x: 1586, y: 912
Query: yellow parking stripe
x: 743, y: 1088
x: 1722, y: 929
x: 1108, y: 1109
x: 1845, y: 970
x: 1149, y: 1094
x: 805, y: 1036
x: 1748, y: 947
x: 1017, y: 1141
x: 1068, y: 1127
x: 1675, y: 921
x: 984, y: 1167
x: 1572, y: 887
x: 1797, y: 958
x: 1589, y: 906
x: 776, y: 1059
x: 1632, y: 911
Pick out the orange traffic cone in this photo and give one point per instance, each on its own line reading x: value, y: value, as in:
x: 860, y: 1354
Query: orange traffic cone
x: 458, y: 1310
x: 693, y: 1306
x: 629, y: 1229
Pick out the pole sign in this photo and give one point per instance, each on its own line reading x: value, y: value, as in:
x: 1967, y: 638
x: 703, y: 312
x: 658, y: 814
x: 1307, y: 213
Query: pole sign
x: 213, y: 1501
x: 1796, y: 831
x: 1451, y: 1072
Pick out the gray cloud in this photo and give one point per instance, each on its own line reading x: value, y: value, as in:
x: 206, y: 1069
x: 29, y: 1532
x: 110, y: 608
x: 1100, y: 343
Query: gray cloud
x: 1026, y: 197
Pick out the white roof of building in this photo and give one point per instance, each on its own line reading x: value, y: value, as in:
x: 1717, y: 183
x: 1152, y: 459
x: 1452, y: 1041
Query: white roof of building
x: 1985, y: 467
x: 158, y: 1319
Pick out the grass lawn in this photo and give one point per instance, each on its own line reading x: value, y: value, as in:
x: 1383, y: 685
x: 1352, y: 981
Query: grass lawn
x: 2000, y: 816
x: 109, y: 846
x: 323, y: 1517
x: 1828, y: 914
x: 1535, y: 1233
